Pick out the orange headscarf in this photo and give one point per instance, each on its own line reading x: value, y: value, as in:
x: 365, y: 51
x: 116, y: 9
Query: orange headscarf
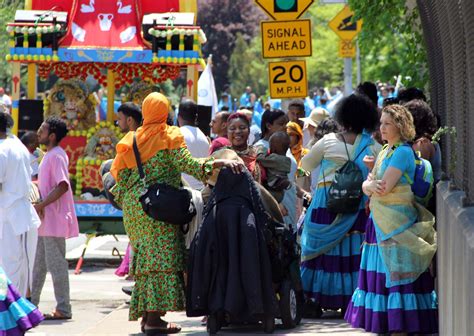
x: 298, y: 151
x: 153, y: 136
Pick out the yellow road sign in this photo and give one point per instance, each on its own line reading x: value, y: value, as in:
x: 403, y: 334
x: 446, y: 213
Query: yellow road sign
x: 347, y: 49
x: 344, y: 26
x: 286, y: 38
x: 284, y: 9
x: 288, y: 79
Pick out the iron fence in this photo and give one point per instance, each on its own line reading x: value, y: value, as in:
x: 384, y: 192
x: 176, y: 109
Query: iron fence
x: 448, y: 28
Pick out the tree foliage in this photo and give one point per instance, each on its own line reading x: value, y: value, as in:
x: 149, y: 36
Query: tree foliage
x: 247, y: 68
x: 391, y: 44
x: 222, y: 20
x: 7, y: 14
x: 324, y: 67
x: 391, y: 40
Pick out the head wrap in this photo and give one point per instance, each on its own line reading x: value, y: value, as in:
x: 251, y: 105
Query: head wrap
x: 153, y: 136
x: 297, y: 150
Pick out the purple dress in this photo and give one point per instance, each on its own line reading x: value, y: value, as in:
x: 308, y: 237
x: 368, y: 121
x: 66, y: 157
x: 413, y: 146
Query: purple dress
x: 17, y: 315
x: 409, y: 308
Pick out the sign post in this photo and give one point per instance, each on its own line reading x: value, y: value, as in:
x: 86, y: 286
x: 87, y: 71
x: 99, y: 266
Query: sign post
x: 285, y: 37
x: 288, y: 79
x: 344, y: 26
x: 347, y: 49
x: 347, y: 29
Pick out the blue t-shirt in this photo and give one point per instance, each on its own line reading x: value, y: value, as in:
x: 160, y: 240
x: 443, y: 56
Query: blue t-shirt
x: 403, y: 159
x: 244, y: 100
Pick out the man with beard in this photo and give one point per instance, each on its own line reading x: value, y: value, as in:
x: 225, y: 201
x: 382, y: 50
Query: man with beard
x: 18, y: 218
x: 58, y: 218
x: 129, y: 117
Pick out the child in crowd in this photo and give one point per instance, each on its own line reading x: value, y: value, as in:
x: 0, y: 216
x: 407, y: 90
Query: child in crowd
x: 277, y: 165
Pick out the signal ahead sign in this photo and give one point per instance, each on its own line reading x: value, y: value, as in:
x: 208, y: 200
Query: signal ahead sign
x: 286, y: 38
x: 344, y: 26
x: 284, y: 9
x: 288, y: 79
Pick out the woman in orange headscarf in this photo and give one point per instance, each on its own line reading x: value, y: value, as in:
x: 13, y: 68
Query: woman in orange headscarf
x: 296, y: 141
x: 159, y: 260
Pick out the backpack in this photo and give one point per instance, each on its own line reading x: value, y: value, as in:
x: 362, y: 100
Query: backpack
x: 422, y: 184
x: 345, y: 193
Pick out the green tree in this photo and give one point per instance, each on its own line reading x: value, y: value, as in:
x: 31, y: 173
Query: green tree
x: 7, y: 14
x: 242, y: 72
x: 222, y: 20
x: 391, y: 45
x: 391, y: 40
x: 324, y: 67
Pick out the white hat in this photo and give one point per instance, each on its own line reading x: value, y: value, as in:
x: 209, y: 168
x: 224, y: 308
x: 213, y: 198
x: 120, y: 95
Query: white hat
x: 317, y: 115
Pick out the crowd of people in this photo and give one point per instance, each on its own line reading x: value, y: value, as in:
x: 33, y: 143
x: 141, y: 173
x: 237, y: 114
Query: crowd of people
x: 372, y: 261
x: 363, y: 262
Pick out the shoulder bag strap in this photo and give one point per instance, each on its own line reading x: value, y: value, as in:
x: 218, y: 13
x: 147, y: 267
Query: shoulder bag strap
x: 347, y: 151
x: 324, y: 179
x: 345, y: 145
x: 362, y: 151
x: 138, y: 159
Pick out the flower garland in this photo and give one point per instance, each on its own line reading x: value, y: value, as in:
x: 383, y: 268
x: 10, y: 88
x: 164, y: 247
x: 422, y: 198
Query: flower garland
x: 125, y: 72
x: 29, y: 30
x: 84, y: 161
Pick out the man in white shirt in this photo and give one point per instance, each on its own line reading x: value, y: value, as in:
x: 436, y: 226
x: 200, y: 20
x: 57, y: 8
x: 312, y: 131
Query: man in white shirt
x: 195, y: 139
x: 18, y: 218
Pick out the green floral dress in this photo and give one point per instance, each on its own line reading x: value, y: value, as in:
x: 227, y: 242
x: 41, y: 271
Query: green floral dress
x: 159, y: 251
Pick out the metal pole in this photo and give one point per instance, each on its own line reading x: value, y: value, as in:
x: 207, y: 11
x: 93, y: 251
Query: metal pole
x: 359, y: 74
x: 347, y: 76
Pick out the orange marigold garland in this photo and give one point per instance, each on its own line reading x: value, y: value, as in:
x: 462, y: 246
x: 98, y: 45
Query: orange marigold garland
x: 125, y: 72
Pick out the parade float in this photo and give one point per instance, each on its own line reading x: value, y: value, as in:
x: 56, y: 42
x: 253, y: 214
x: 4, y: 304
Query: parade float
x: 134, y: 43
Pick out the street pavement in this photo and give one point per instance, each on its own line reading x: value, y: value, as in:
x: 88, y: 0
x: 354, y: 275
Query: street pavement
x: 100, y: 308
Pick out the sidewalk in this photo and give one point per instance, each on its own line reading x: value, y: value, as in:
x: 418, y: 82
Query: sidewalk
x: 114, y: 324
x: 99, y: 306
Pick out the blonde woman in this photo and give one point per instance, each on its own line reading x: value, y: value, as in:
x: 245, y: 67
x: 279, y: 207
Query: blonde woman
x: 395, y: 292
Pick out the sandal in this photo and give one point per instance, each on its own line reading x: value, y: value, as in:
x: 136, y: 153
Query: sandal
x: 55, y: 315
x: 171, y: 328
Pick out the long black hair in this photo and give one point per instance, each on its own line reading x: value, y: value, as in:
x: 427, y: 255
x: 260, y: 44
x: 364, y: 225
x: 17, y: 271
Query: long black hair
x: 269, y: 117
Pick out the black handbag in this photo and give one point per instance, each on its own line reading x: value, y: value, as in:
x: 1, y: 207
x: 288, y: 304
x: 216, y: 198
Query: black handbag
x: 163, y: 202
